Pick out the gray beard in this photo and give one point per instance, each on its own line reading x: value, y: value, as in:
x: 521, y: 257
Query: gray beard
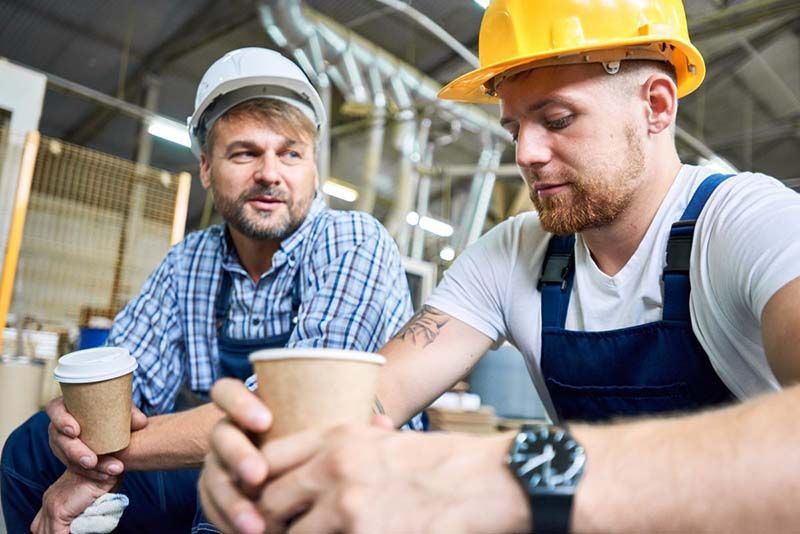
x: 233, y: 212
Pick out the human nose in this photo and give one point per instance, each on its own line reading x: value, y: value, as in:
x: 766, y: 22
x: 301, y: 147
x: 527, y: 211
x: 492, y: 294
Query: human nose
x: 533, y: 149
x: 268, y: 170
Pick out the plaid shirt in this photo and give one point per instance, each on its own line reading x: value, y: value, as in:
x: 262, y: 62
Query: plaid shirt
x: 353, y: 293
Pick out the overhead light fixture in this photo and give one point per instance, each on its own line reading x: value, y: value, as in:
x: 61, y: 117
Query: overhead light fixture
x: 435, y: 226
x: 170, y: 130
x: 412, y: 218
x: 429, y: 224
x: 448, y: 253
x: 483, y: 3
x: 340, y: 190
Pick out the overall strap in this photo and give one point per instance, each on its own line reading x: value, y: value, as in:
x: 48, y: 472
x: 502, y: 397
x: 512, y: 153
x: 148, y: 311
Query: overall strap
x: 555, y: 283
x: 222, y: 304
x: 679, y: 250
x: 297, y: 294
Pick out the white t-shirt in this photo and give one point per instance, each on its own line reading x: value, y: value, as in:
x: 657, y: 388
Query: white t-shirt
x: 746, y: 247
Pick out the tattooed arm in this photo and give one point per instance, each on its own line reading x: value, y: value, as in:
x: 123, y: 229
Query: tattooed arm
x: 429, y: 354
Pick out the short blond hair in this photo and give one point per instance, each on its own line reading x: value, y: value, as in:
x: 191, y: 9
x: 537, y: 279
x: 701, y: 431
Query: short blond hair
x: 278, y: 115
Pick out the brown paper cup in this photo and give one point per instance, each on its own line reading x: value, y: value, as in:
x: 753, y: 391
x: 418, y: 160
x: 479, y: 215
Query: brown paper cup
x: 103, y: 410
x: 316, y: 387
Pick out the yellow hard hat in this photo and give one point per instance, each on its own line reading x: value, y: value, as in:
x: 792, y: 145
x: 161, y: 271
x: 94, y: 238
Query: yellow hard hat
x: 518, y: 35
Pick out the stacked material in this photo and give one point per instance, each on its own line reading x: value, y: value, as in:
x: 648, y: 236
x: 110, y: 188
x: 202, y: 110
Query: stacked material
x: 480, y: 421
x: 506, y: 424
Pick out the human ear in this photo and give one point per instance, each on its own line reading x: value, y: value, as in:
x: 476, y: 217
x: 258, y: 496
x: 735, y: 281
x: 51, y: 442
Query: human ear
x: 205, y: 171
x: 661, y: 97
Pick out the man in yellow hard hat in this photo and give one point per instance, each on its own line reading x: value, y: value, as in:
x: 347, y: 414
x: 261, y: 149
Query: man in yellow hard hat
x: 655, y: 304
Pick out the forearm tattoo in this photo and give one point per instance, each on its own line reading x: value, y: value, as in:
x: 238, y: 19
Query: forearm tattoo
x: 424, y: 327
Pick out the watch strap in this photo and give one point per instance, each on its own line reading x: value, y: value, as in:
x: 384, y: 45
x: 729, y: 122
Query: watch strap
x: 552, y: 512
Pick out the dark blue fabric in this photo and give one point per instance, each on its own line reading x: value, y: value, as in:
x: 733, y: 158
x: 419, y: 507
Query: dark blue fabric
x: 233, y: 353
x: 654, y: 368
x: 160, y: 501
x: 555, y: 294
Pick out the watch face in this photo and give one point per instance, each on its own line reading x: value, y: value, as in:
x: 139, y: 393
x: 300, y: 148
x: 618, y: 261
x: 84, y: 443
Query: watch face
x: 547, y: 457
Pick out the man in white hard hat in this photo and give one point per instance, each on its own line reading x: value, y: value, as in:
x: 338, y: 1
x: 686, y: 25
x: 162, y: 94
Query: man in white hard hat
x: 594, y: 290
x: 283, y: 271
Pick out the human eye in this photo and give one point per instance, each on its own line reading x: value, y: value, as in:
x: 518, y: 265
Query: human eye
x: 291, y: 155
x: 242, y: 156
x: 560, y: 123
x: 514, y: 133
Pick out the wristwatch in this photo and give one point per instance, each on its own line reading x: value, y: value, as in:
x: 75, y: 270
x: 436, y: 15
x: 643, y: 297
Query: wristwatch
x: 548, y: 462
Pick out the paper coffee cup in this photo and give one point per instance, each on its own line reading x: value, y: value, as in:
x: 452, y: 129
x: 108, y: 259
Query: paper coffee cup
x: 97, y: 389
x: 305, y: 388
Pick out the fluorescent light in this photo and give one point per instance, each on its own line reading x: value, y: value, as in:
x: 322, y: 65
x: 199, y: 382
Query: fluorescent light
x: 447, y: 254
x: 340, y: 191
x: 169, y: 130
x: 434, y: 226
x: 429, y: 224
x: 483, y: 3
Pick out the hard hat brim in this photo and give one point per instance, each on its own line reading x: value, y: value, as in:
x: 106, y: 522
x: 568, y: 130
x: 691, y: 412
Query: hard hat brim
x: 470, y: 87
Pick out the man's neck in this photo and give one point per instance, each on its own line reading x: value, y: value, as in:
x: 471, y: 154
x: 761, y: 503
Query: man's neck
x: 613, y: 245
x: 255, y: 255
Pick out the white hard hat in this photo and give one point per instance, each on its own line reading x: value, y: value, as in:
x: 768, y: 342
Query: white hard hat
x: 245, y: 74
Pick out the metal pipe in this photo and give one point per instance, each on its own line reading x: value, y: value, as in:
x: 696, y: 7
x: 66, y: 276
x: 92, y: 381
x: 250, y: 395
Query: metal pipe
x: 396, y: 220
x: 475, y: 229
x: 324, y: 142
x: 435, y: 29
x: 372, y: 158
x: 67, y: 86
x: 405, y: 138
x: 289, y: 28
x: 335, y: 40
x: 424, y: 155
x: 508, y: 170
x: 774, y: 79
x: 694, y: 143
x: 478, y: 200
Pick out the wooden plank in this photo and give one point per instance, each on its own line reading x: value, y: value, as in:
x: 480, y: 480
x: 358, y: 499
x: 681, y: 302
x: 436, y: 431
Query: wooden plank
x: 181, y: 207
x: 20, y: 210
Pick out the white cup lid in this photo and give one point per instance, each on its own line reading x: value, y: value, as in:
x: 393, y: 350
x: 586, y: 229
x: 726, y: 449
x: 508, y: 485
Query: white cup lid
x: 94, y: 365
x: 315, y: 354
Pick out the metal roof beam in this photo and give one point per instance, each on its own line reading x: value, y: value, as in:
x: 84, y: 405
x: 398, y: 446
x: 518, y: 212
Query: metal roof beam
x: 722, y: 65
x: 739, y: 16
x: 198, y: 30
x: 109, y: 39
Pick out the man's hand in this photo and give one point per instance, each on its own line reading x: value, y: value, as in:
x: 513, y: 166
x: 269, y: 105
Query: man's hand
x: 65, y: 500
x: 235, y: 469
x: 64, y: 436
x: 357, y: 478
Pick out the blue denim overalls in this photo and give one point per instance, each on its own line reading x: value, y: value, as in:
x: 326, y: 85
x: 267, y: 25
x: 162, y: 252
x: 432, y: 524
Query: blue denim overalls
x: 647, y: 369
x: 233, y: 353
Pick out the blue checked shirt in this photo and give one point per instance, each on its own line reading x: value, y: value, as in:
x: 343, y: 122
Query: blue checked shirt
x: 354, y: 295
